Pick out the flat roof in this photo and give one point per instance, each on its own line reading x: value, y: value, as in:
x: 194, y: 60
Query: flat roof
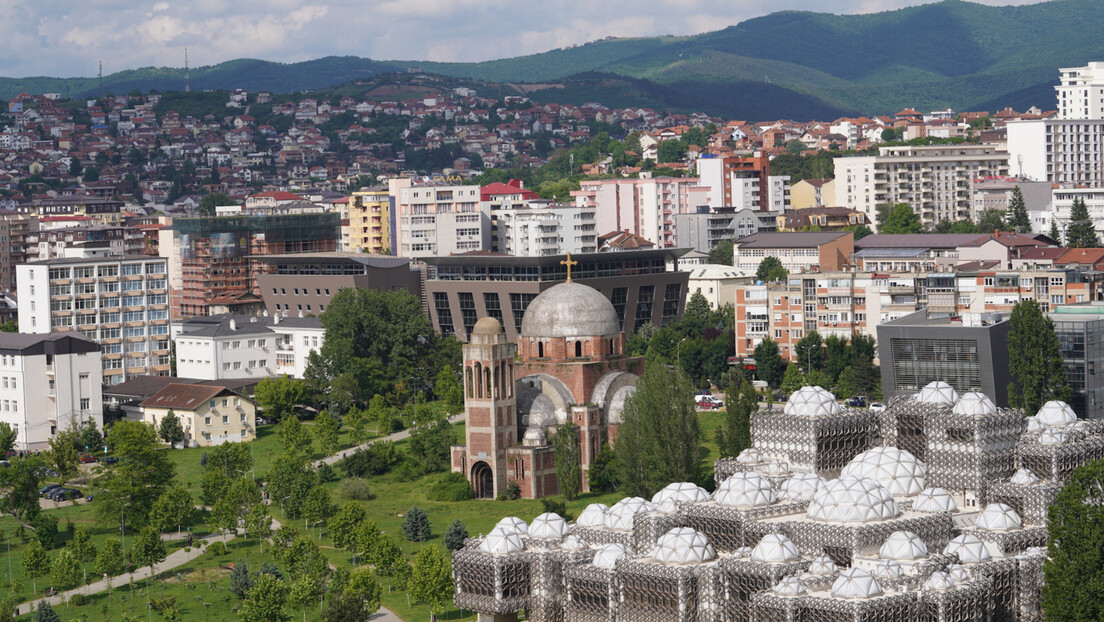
x: 75, y: 260
x: 336, y: 257
x: 790, y: 239
x: 552, y: 260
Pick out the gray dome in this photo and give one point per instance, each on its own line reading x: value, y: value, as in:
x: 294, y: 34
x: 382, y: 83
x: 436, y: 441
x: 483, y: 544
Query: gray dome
x: 570, y: 310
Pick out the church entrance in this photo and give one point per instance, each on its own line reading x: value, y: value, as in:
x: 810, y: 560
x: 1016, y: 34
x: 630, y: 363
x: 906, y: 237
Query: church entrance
x: 482, y: 481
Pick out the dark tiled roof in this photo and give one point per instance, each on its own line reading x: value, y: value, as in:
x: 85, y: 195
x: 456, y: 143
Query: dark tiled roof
x: 183, y: 396
x: 797, y: 239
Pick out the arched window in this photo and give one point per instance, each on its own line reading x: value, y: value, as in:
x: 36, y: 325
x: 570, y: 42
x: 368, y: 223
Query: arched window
x: 611, y: 347
x: 540, y: 349
x: 478, y: 381
x: 487, y: 381
x: 468, y: 373
x: 578, y: 349
x: 498, y: 381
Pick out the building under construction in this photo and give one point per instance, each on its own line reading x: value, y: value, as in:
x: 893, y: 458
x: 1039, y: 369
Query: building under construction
x: 824, y: 519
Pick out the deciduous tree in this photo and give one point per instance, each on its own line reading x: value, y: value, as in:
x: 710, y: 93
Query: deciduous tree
x: 174, y: 508
x: 65, y: 570
x: 137, y: 479
x: 265, y: 601
x: 734, y: 433
x: 34, y: 562
x: 1074, y: 568
x: 431, y: 579
x: 768, y: 362
x: 901, y: 219
x: 327, y: 429
x: 809, y: 352
x: 722, y: 254
x: 278, y: 396
x: 1035, y: 361
x: 770, y: 269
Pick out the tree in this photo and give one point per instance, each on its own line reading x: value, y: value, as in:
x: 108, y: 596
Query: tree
x: 344, y: 524
x: 148, y: 549
x: 1074, y: 564
x: 1018, y: 220
x: 846, y: 384
x: 65, y: 571
x: 278, y: 396
x: 1038, y: 375
x: 89, y: 435
x: 431, y: 579
x: 770, y: 269
x: 379, y: 414
x: 8, y: 436
x: 363, y: 591
x: 722, y: 254
x: 448, y: 389
x: 990, y: 220
x: 170, y: 429
x: 82, y: 548
x: 174, y: 508
x: 21, y: 480
x: 45, y: 613
x: 45, y: 529
x: 137, y: 479
x: 63, y: 455
x: 768, y: 362
x: 34, y: 562
x: 565, y: 443
x: 327, y: 429
x: 265, y: 601
x: 793, y: 379
x: 809, y: 352
x: 109, y: 558
x: 230, y: 511
x: 455, y: 535
x: 734, y: 433
x: 317, y: 506
x: 225, y: 464
x: 289, y: 482
x: 837, y: 355
x: 671, y: 151
x: 430, y: 444
x: 1081, y: 230
x: 295, y: 438
x: 258, y: 523
x: 1054, y: 233
x: 415, y: 526
x: 901, y: 219
x: 303, y: 593
x: 659, y: 440
x: 209, y: 202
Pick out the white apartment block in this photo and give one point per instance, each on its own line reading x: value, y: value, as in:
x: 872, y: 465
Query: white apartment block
x: 250, y: 347
x: 438, y: 220
x: 645, y: 206
x: 49, y: 383
x: 1081, y: 92
x: 933, y: 180
x: 122, y: 303
x: 547, y: 230
x: 1062, y: 205
x: 742, y: 189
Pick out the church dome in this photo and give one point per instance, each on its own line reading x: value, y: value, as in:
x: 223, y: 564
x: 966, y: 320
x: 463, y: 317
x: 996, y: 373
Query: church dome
x: 570, y: 310
x: 487, y: 326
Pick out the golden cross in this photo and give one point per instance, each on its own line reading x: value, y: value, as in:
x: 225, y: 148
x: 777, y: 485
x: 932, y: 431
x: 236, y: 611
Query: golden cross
x: 567, y: 262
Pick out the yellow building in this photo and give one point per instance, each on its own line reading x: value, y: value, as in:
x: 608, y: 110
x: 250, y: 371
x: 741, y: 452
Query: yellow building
x: 370, y: 221
x: 813, y: 193
x: 210, y: 415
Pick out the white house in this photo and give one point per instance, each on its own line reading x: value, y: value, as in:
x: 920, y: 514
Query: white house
x: 223, y: 347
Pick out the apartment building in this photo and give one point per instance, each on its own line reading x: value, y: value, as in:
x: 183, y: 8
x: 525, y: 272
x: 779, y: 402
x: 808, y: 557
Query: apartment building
x: 14, y: 229
x: 101, y: 210
x: 442, y: 219
x: 210, y: 415
x: 743, y: 182
x: 934, y: 180
x: 543, y: 228
x: 88, y: 241
x: 813, y: 193
x: 996, y: 192
x: 121, y: 303
x: 645, y: 206
x: 48, y: 383
x: 245, y: 347
x: 304, y: 283
x: 798, y: 251
x: 706, y: 227
x: 369, y: 226
x: 502, y: 196
x: 941, y: 251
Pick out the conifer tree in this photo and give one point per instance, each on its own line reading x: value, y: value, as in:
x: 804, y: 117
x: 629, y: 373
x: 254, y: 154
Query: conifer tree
x: 1018, y: 220
x: 455, y: 535
x: 415, y: 526
x: 1081, y: 231
x: 1034, y: 359
x: 1054, y: 233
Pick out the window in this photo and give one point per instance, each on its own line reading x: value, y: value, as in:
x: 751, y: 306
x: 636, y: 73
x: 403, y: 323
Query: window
x: 206, y: 421
x: 84, y: 403
x: 225, y: 420
x: 211, y: 404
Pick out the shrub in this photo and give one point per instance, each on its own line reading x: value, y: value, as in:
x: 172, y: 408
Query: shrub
x: 556, y: 506
x: 79, y: 600
x: 217, y: 548
x: 326, y: 473
x: 454, y: 487
x: 415, y: 526
x: 377, y: 459
x: 354, y: 488
x: 410, y: 471
x: 513, y: 491
x: 160, y: 605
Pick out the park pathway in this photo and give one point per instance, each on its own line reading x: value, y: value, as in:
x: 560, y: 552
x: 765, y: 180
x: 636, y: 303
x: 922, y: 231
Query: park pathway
x: 397, y: 436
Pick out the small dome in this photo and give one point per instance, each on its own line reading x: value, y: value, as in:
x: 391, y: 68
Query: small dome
x: 1024, y: 477
x: 594, y: 515
x: 534, y: 436
x: 749, y: 456
x: 1056, y: 414
x: 823, y: 566
x: 998, y: 517
x: 903, y: 545
x: 933, y: 501
x: 888, y: 569
x: 958, y: 572
x: 667, y: 506
x: 856, y: 583
x: 609, y: 555
x: 502, y: 541
x: 683, y: 545
x: 974, y: 404
x: 573, y: 543
x: 801, y: 487
x: 939, y: 393
x: 548, y: 526
x: 776, y: 467
x: 621, y: 515
x: 789, y: 586
x: 514, y: 524
x: 775, y: 549
x: 1033, y: 424
x: 681, y: 492
x: 851, y: 499
x: 811, y: 402
x: 487, y: 326
x: 1053, y: 436
x: 968, y: 548
x: 570, y: 310
x: 743, y: 551
x: 896, y: 469
x: 744, y: 491
x: 939, y: 582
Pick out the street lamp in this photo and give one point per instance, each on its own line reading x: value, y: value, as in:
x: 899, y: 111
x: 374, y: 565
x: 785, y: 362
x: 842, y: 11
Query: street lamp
x: 122, y: 521
x: 678, y: 350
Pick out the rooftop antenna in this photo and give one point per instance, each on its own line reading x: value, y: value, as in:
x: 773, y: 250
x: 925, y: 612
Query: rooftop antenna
x: 187, y: 77
x: 101, y: 78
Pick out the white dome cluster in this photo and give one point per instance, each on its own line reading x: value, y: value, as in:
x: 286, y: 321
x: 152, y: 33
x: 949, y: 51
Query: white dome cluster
x: 609, y: 555
x: 969, y: 548
x: 594, y: 515
x: 683, y: 545
x: 811, y: 402
x: 775, y: 548
x: 903, y: 545
x: 681, y: 492
x: 514, y: 524
x: 975, y: 404
x: 933, y: 501
x: 749, y: 456
x: 856, y: 583
x: 801, y: 487
x: 851, y: 499
x: 549, y: 526
x: 573, y: 543
x: 896, y: 469
x: 998, y: 517
x: 1054, y: 436
x: 745, y: 490
x: 1055, y: 414
x: 622, y: 514
x: 502, y: 541
x: 939, y: 393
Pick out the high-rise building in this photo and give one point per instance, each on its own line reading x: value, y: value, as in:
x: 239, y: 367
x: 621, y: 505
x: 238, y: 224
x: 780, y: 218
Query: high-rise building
x: 370, y: 221
x: 442, y: 219
x: 546, y: 230
x: 743, y: 183
x: 645, y: 206
x: 122, y: 303
x: 14, y: 229
x: 1081, y: 92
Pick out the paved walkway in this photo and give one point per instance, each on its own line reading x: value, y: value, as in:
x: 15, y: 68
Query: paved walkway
x: 397, y: 436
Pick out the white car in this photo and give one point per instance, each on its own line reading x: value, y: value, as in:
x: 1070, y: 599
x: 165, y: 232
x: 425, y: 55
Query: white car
x: 877, y: 407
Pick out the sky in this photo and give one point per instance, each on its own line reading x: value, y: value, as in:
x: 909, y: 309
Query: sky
x: 67, y: 38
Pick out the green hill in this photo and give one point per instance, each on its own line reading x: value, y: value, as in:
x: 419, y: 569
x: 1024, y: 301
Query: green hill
x: 789, y: 64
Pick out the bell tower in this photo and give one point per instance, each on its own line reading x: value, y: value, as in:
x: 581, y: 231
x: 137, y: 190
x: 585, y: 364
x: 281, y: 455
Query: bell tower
x: 490, y: 406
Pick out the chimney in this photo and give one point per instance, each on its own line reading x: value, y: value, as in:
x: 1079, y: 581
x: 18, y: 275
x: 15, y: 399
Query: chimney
x: 300, y: 313
x: 233, y: 324
x: 276, y: 319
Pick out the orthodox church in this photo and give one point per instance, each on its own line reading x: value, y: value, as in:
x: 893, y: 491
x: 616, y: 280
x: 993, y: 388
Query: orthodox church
x: 569, y: 365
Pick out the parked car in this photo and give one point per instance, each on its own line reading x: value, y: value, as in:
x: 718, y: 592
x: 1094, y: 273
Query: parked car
x: 88, y: 458
x: 110, y: 460
x: 47, y: 489
x: 60, y: 494
x: 703, y: 393
x: 877, y: 407
x: 67, y: 494
x: 857, y: 402
x: 93, y: 495
x: 709, y: 402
